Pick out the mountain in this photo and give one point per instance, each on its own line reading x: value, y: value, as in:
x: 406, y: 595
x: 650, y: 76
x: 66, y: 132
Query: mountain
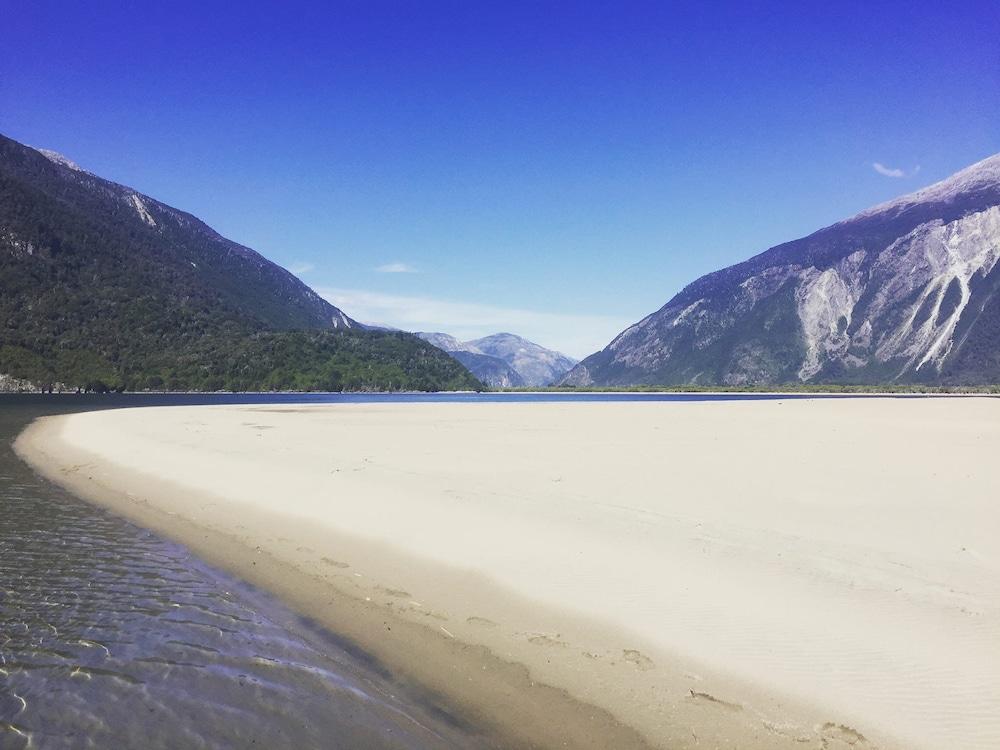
x: 907, y: 291
x: 492, y: 371
x: 536, y: 364
x: 446, y: 342
x: 105, y: 286
x: 504, y: 360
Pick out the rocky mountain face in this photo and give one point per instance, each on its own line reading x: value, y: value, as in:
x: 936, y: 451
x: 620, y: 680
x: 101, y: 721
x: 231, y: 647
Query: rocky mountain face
x: 504, y: 360
x: 445, y: 341
x: 492, y: 371
x: 103, y: 283
x: 907, y: 291
x: 536, y: 364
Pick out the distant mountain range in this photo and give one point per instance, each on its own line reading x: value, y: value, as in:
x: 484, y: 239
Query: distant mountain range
x: 504, y: 360
x: 907, y: 291
x: 103, y: 286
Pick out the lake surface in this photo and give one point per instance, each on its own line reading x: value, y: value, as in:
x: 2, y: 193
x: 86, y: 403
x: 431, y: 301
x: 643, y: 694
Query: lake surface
x: 113, y: 637
x: 66, y: 402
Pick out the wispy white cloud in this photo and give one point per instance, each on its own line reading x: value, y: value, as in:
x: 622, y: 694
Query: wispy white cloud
x: 573, y: 334
x: 882, y: 169
x: 887, y: 171
x: 396, y: 267
x: 300, y: 267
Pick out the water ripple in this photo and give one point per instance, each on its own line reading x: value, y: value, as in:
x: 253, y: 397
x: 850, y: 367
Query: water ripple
x: 113, y: 637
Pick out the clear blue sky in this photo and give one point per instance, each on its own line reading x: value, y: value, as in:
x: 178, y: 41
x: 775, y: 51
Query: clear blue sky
x: 559, y: 169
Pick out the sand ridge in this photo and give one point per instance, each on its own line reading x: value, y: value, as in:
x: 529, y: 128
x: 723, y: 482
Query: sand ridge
x: 816, y: 573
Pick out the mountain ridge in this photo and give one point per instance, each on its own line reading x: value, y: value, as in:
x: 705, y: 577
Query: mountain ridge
x: 106, y: 286
x: 885, y: 295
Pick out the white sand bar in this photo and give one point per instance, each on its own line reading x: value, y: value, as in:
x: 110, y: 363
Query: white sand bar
x: 821, y: 573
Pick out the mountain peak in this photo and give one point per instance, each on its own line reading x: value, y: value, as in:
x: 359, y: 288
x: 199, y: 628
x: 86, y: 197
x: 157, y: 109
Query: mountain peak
x: 529, y: 363
x: 502, y: 338
x: 983, y: 175
x: 444, y: 341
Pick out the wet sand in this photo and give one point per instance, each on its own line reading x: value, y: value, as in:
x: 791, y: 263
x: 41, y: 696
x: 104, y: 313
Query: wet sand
x: 112, y: 637
x: 760, y: 574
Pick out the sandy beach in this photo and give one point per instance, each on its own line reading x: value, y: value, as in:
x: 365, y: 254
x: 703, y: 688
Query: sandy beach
x: 753, y: 574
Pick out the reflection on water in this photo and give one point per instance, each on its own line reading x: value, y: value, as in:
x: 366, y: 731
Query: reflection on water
x: 111, y: 637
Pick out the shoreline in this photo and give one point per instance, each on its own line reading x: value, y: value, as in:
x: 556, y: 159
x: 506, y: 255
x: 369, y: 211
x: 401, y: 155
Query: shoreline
x: 475, y: 686
x: 475, y: 640
x: 462, y: 683
x: 985, y: 391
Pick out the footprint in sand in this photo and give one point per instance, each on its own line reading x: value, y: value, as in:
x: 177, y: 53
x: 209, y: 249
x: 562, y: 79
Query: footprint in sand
x: 74, y: 469
x: 841, y: 735
x: 434, y: 615
x: 481, y: 621
x: 398, y: 593
x: 540, y: 639
x: 642, y: 662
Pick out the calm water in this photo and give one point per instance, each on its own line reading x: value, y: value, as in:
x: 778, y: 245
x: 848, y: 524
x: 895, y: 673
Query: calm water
x: 111, y: 637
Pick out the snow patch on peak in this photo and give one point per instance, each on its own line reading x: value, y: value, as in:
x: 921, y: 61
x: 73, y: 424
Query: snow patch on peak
x: 56, y: 158
x: 141, y: 209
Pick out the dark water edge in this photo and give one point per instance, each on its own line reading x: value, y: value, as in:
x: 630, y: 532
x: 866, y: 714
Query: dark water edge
x: 111, y: 637
x: 69, y: 402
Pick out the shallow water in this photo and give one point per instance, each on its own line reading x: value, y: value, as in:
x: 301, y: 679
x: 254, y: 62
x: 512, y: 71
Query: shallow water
x: 111, y: 637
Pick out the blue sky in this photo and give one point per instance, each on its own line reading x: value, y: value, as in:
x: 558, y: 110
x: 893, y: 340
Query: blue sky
x: 555, y: 169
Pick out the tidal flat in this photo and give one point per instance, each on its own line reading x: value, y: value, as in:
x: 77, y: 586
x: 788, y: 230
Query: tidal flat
x: 775, y: 572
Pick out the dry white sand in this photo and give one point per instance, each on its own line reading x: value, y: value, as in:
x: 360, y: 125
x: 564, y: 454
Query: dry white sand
x: 800, y: 573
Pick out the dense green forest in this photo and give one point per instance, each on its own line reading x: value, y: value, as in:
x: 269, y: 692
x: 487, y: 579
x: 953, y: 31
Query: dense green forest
x: 103, y: 287
x: 287, y: 361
